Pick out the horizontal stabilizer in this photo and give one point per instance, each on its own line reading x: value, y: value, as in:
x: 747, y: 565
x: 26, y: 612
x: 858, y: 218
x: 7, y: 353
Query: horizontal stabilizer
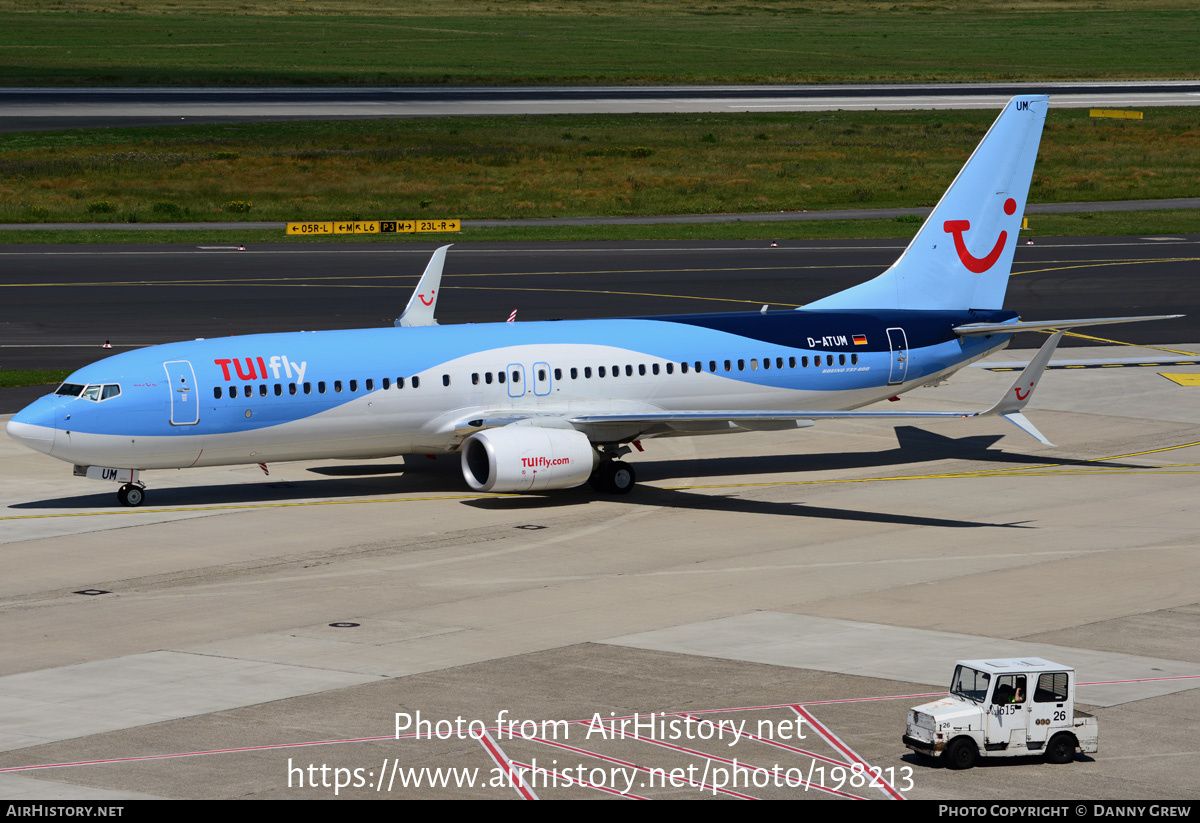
x: 981, y: 329
x: 1022, y: 422
x: 423, y: 303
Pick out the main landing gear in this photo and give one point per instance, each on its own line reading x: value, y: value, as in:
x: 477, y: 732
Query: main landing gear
x: 612, y: 475
x: 131, y: 494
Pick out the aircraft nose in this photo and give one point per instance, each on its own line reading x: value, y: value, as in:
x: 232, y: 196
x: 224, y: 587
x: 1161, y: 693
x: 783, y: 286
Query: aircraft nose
x: 33, y: 426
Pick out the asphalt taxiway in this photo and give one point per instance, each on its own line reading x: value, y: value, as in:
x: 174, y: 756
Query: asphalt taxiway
x: 34, y: 109
x: 203, y: 646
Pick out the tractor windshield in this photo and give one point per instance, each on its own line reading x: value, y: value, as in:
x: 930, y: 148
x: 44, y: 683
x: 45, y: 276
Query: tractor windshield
x: 970, y: 684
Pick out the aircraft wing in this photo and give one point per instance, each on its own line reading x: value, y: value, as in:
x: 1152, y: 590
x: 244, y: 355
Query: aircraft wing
x: 628, y: 425
x: 423, y: 303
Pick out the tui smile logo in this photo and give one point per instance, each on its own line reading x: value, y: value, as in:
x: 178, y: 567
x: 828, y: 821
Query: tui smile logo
x: 978, y: 265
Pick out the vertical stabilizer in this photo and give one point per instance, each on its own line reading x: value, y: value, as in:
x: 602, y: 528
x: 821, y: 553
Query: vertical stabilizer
x: 961, y: 257
x: 423, y: 303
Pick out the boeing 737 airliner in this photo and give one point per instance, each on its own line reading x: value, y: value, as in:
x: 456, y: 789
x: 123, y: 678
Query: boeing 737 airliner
x: 550, y: 405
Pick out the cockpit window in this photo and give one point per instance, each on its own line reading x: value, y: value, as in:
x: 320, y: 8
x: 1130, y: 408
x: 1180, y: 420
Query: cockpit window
x: 96, y: 392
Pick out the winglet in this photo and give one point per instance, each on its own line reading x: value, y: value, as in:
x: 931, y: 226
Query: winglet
x: 1015, y: 399
x: 423, y: 303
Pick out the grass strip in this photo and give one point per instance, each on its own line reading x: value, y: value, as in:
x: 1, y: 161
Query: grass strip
x: 564, y: 166
x: 379, y: 42
x: 13, y: 378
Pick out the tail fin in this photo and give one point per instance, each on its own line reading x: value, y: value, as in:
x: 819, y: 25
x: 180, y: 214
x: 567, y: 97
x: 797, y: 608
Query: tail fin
x: 961, y: 257
x: 423, y: 303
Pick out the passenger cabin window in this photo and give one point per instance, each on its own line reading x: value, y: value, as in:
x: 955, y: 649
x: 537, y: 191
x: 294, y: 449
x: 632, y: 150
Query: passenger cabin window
x: 337, y: 386
x: 600, y: 371
x: 541, y: 374
x: 500, y: 376
x: 320, y: 387
x: 574, y: 373
x: 558, y: 374
x: 278, y: 389
x: 262, y: 389
x: 387, y: 383
x: 487, y: 378
x: 416, y: 382
x: 475, y: 378
x: 587, y: 371
x: 291, y: 388
x: 308, y: 388
x: 216, y: 392
x: 516, y: 377
x: 233, y: 391
x: 445, y: 380
x: 370, y: 385
x: 353, y: 385
x: 670, y: 368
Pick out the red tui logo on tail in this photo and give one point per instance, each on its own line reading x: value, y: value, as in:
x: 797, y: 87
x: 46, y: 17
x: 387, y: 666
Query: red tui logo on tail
x: 978, y: 265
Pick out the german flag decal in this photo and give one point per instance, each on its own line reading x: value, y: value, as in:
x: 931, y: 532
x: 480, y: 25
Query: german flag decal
x: 860, y: 340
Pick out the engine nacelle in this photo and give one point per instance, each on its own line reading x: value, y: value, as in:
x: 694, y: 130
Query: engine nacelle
x: 527, y: 458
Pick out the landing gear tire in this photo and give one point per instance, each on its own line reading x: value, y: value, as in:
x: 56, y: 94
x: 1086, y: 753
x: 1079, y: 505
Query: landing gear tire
x: 614, y: 477
x: 961, y: 754
x: 1061, y: 749
x: 131, y: 495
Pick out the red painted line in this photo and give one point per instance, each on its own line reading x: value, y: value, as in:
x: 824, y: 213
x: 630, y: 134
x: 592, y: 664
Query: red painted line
x: 575, y: 781
x: 498, y: 755
x: 717, y: 759
x: 768, y: 741
x: 836, y: 742
x: 776, y: 706
x: 1143, y: 680
x: 869, y: 699
x: 607, y: 759
x: 194, y: 754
